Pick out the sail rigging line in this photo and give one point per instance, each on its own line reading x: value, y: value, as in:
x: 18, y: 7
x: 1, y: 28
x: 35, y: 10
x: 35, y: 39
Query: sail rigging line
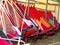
x: 13, y: 12
x: 21, y: 26
x: 22, y: 14
x: 3, y: 22
x: 10, y: 24
x: 18, y: 8
x: 9, y: 13
x: 24, y: 17
x: 19, y: 16
x: 8, y: 18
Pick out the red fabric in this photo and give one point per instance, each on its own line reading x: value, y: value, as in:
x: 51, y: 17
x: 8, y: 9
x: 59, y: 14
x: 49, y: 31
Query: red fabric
x: 4, y: 42
x: 50, y: 14
x: 33, y: 13
x: 21, y: 6
x: 29, y: 33
x: 59, y: 30
x: 12, y: 34
x: 36, y: 14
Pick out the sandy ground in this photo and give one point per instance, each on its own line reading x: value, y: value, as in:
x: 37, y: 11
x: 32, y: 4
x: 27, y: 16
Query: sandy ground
x: 49, y: 40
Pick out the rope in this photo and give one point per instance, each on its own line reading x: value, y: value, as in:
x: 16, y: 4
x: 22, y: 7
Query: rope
x: 7, y: 17
x: 15, y: 16
x: 23, y: 18
x: 22, y: 13
x: 10, y: 22
x: 18, y: 8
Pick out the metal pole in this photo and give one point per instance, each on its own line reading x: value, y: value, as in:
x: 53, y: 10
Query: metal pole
x: 58, y: 15
x: 46, y: 9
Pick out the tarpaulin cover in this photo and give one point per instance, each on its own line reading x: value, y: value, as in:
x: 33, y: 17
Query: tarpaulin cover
x: 36, y: 14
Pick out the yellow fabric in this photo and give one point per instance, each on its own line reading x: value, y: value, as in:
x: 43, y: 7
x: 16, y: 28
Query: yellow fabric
x: 38, y: 23
x: 44, y: 22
